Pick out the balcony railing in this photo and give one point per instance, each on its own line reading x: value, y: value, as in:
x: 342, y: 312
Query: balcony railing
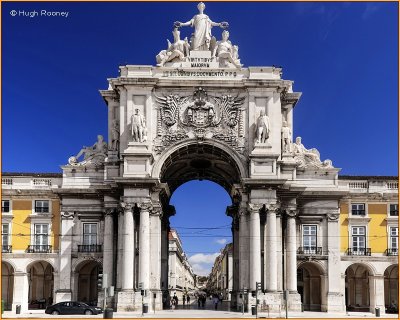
x: 310, y: 250
x: 39, y: 248
x: 89, y: 248
x: 358, y: 251
x: 6, y: 249
x: 392, y: 252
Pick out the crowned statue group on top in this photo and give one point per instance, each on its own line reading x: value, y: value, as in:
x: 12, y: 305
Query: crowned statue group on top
x: 201, y: 40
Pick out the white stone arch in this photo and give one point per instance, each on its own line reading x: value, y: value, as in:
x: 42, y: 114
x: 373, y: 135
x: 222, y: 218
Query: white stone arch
x: 12, y: 264
x: 239, y: 160
x: 81, y: 261
x: 318, y: 264
x: 369, y: 266
x: 31, y: 262
x: 312, y: 286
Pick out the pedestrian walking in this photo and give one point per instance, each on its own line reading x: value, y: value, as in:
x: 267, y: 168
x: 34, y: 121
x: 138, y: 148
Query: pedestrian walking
x: 216, y: 301
x: 184, y: 300
x: 203, y: 301
x: 188, y: 301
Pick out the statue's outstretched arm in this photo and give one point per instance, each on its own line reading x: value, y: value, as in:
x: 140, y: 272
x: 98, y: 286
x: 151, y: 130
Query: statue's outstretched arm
x: 183, y: 24
x: 222, y: 24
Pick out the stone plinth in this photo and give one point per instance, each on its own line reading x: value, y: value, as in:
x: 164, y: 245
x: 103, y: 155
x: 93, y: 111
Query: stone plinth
x: 126, y: 301
x: 82, y: 176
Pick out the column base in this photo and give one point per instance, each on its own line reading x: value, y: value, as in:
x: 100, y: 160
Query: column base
x: 294, y: 302
x: 335, y: 302
x: 125, y: 301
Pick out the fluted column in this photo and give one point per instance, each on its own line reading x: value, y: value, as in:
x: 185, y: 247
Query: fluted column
x: 108, y: 247
x: 243, y: 249
x: 291, y: 251
x: 128, y: 252
x: 255, y: 245
x: 120, y: 247
x: 144, y: 244
x: 272, y: 260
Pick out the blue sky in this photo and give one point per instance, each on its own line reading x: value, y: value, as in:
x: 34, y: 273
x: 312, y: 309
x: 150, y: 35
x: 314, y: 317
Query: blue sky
x: 342, y: 56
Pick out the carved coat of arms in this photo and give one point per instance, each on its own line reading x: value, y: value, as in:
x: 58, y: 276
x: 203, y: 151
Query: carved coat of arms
x: 200, y: 116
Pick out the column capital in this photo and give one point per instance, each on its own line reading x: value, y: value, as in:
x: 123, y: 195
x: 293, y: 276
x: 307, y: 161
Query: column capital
x: 145, y: 206
x: 65, y: 215
x: 292, y: 212
x: 333, y: 216
x: 110, y: 211
x: 126, y: 207
x: 254, y: 207
x: 156, y: 211
x: 273, y: 207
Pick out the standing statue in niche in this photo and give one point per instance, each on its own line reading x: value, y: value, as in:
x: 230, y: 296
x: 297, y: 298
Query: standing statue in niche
x: 286, y: 137
x: 114, y: 136
x: 177, y: 50
x: 202, y: 28
x: 226, y: 52
x: 91, y: 155
x: 138, y: 127
x: 263, y: 128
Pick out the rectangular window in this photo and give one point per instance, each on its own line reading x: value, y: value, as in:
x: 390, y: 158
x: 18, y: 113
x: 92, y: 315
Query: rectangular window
x: 309, y: 238
x: 394, y: 239
x: 394, y: 210
x: 5, y: 234
x: 5, y: 206
x: 358, y: 209
x: 90, y: 234
x: 358, y: 239
x: 41, y: 234
x: 42, y: 206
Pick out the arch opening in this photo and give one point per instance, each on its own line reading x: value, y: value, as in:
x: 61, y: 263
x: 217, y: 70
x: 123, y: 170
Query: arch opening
x: 309, y: 284
x: 87, y: 277
x: 41, y: 284
x: 200, y: 162
x: 7, y: 285
x: 391, y: 284
x: 357, y: 287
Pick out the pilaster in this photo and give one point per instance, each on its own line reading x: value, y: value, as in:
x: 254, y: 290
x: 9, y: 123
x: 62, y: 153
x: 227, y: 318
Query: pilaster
x: 64, y: 290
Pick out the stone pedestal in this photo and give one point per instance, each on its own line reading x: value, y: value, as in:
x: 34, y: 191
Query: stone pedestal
x: 294, y: 302
x: 126, y: 301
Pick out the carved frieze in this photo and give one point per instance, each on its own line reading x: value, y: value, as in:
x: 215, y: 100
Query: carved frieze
x: 199, y: 116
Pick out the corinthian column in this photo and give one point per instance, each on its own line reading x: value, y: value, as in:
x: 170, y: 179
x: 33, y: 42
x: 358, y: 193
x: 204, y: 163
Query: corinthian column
x: 128, y: 248
x: 255, y: 245
x: 144, y: 244
x: 108, y: 247
x: 291, y: 251
x: 272, y: 261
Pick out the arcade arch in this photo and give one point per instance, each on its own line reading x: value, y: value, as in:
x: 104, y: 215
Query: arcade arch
x: 86, y: 281
x: 7, y: 284
x: 357, y: 287
x: 310, y: 285
x: 41, y: 284
x: 391, y: 278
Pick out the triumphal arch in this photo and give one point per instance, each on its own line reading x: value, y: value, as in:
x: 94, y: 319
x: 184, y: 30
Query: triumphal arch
x: 199, y: 113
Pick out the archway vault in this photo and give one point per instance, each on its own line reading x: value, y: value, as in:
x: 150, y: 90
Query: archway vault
x: 200, y: 161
